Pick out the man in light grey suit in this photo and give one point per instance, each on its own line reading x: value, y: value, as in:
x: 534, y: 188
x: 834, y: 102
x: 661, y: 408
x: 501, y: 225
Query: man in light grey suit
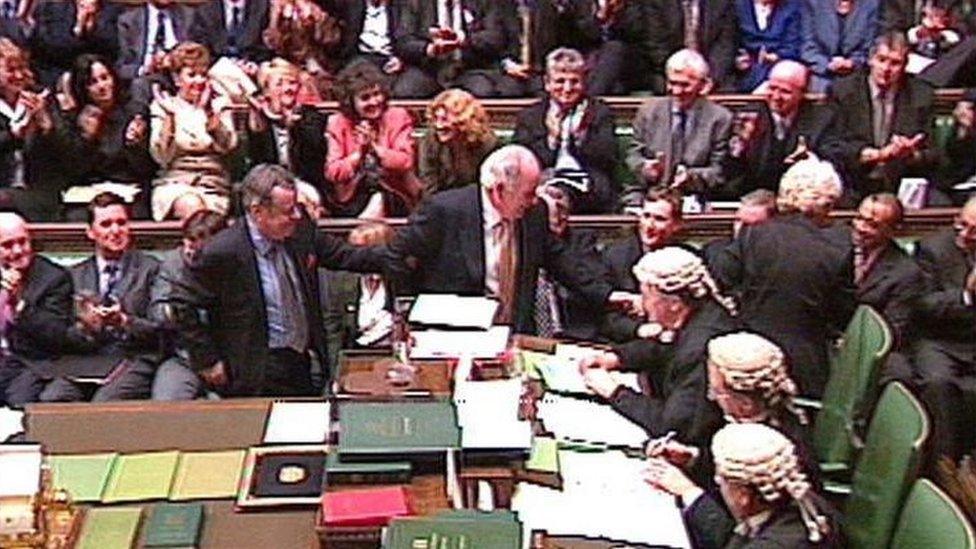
x: 146, y: 32
x: 680, y: 141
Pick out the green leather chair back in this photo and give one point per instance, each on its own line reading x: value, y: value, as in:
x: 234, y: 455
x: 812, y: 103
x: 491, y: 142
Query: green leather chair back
x: 851, y: 388
x: 886, y: 468
x: 931, y: 519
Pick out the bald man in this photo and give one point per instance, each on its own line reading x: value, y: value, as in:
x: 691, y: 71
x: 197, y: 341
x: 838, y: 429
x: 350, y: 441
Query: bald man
x: 35, y: 310
x: 787, y: 128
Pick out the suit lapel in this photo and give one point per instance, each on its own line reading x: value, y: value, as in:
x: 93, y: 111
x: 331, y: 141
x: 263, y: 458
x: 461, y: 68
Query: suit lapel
x: 89, y: 276
x: 880, y: 270
x: 128, y: 267
x: 142, y: 26
x: 247, y: 251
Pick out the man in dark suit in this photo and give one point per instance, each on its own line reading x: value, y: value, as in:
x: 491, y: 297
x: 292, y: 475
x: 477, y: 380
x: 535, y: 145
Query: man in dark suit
x: 796, y: 300
x: 66, y: 30
x: 658, y: 221
x: 112, y: 323
x: 146, y: 33
x: 887, y: 278
x: 944, y: 358
x: 885, y: 121
x: 448, y: 43
x: 35, y: 310
x: 708, y: 26
x: 572, y: 133
x: 368, y: 32
x: 257, y: 284
x: 680, y: 141
x: 492, y: 239
x: 787, y: 129
x: 232, y: 28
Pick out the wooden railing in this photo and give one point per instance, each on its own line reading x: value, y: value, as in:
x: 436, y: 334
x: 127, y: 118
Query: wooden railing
x: 70, y: 237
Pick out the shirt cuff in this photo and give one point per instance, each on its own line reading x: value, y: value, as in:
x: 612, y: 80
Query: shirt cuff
x: 967, y: 298
x: 688, y: 499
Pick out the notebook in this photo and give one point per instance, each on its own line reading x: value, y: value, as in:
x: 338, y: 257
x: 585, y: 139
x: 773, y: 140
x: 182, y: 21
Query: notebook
x: 138, y: 477
x: 83, y: 476
x: 207, y: 475
x: 110, y: 528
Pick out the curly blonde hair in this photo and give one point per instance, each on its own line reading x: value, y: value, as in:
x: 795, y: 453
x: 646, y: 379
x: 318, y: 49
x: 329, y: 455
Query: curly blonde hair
x: 188, y: 54
x: 469, y: 115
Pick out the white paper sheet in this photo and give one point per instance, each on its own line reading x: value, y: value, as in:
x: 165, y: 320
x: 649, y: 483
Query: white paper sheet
x: 452, y: 344
x: 11, y: 423
x: 297, y: 423
x: 576, y: 420
x: 456, y: 311
x: 561, y: 374
x: 20, y: 469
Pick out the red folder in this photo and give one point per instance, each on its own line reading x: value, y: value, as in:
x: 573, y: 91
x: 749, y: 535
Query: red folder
x: 367, y: 507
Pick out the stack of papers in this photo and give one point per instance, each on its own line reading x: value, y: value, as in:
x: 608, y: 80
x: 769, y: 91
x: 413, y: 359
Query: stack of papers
x: 488, y: 415
x: 451, y: 344
x: 453, y: 311
x: 578, y: 420
x: 298, y: 423
x: 603, y: 496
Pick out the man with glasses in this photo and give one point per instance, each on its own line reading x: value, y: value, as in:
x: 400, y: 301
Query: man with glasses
x: 256, y: 285
x: 680, y: 141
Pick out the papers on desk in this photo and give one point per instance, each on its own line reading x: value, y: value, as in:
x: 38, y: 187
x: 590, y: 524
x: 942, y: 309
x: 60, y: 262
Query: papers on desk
x: 297, y: 423
x: 11, y: 423
x: 448, y: 344
x: 917, y: 63
x: 471, y: 312
x: 603, y: 496
x: 577, y: 420
x: 20, y: 465
x: 487, y: 412
x: 562, y: 375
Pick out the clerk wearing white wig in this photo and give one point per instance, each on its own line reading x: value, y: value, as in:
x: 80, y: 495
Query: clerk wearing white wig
x: 683, y: 309
x: 770, y: 501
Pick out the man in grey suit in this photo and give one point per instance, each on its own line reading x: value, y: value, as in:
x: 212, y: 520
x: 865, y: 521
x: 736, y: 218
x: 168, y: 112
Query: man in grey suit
x: 112, y: 324
x: 680, y: 141
x: 146, y: 33
x: 232, y: 28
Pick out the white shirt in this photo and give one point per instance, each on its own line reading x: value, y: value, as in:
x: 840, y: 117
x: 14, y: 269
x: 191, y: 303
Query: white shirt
x: 763, y: 13
x: 229, y: 6
x: 18, y: 118
x: 282, y: 142
x: 374, y: 322
x: 169, y: 36
x: 493, y: 251
x: 375, y: 37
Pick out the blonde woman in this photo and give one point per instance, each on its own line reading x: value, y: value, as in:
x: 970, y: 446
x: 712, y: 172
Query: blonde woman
x: 458, y: 139
x: 190, y: 134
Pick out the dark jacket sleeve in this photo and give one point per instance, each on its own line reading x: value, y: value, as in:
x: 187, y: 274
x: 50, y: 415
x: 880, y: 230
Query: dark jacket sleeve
x: 579, y: 270
x: 197, y: 292
x: 41, y: 326
x: 709, y: 523
x: 409, y: 40
x: 423, y: 234
x: 940, y: 303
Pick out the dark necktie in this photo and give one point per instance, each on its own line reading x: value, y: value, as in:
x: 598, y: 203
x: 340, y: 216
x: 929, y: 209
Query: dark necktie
x: 546, y: 313
x: 112, y: 275
x: 236, y: 27
x: 690, y: 15
x: 9, y: 9
x: 680, y: 122
x: 292, y: 308
x: 159, y: 41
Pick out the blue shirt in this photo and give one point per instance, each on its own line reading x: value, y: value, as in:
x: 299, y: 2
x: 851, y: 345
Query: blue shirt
x: 270, y: 285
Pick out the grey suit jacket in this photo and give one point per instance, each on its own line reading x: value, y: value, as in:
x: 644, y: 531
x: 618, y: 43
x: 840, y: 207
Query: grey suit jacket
x: 132, y: 27
x: 138, y: 272
x: 706, y: 145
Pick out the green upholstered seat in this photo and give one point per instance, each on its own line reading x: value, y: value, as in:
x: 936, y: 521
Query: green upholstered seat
x: 886, y: 468
x: 851, y: 389
x: 930, y: 518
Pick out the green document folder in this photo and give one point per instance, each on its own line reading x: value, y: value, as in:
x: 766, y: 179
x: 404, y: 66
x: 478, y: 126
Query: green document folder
x: 207, y: 475
x: 139, y: 477
x: 83, y: 476
x: 378, y: 428
x: 174, y: 525
x: 486, y: 532
x: 544, y: 456
x: 109, y: 528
